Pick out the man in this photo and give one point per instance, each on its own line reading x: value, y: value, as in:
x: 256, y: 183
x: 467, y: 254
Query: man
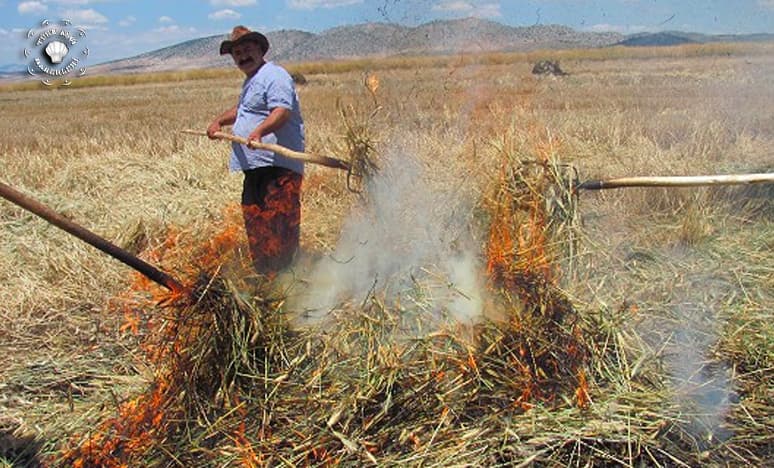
x: 268, y: 111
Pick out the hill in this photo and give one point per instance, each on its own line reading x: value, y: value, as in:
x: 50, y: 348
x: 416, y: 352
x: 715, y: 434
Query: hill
x: 369, y: 39
x: 656, y: 39
x: 671, y: 38
x: 467, y: 35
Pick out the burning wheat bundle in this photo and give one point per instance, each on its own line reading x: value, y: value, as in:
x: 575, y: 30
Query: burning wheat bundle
x: 205, y: 343
x: 382, y: 379
x: 381, y: 383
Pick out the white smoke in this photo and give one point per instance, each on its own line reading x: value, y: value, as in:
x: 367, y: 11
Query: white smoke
x: 702, y: 386
x: 703, y: 389
x: 408, y: 241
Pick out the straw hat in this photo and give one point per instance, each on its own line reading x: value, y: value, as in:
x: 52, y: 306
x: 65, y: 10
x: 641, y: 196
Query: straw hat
x: 241, y: 34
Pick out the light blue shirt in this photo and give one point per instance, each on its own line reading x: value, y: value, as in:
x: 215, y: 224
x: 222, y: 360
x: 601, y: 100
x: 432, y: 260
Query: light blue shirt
x: 269, y: 88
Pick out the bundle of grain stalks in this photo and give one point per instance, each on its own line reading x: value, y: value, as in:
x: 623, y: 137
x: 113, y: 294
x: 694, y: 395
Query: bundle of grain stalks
x: 391, y: 378
x: 203, y: 343
x: 237, y: 383
x: 380, y: 381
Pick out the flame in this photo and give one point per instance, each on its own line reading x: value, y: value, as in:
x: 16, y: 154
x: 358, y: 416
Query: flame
x: 144, y: 421
x: 531, y: 254
x: 249, y: 458
x: 139, y: 422
x: 372, y: 83
x: 515, y: 245
x: 521, y: 265
x: 582, y: 392
x: 500, y: 248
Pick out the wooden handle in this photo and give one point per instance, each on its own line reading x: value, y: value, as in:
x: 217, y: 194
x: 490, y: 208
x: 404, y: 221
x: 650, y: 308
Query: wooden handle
x: 89, y: 237
x: 678, y: 181
x: 288, y: 153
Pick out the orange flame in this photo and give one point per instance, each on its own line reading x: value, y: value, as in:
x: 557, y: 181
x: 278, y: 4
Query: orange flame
x: 520, y: 262
x: 372, y: 83
x: 144, y: 421
x: 582, y: 392
x: 500, y: 248
x: 249, y: 458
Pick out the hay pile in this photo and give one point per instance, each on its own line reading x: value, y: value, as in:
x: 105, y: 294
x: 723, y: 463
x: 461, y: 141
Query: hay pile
x: 378, y: 382
x: 236, y: 384
x: 386, y: 382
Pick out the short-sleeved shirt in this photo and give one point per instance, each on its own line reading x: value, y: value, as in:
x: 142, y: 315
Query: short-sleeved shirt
x: 269, y: 88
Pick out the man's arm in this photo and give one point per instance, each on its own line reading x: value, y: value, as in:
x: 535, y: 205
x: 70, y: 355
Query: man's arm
x: 276, y: 119
x: 226, y: 118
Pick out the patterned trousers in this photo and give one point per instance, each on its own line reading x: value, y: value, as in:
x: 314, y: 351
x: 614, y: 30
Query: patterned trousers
x: 271, y: 206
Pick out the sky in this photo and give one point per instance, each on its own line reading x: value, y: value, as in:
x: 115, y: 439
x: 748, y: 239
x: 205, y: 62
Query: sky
x: 123, y: 28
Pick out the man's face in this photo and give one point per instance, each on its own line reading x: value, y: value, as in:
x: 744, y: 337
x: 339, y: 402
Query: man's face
x: 248, y: 56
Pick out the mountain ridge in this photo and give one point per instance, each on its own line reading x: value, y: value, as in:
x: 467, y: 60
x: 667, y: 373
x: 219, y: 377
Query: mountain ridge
x: 377, y: 39
x: 373, y: 39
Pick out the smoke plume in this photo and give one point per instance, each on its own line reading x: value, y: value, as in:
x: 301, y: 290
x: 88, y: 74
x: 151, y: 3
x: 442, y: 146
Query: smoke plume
x: 703, y: 386
x: 408, y: 242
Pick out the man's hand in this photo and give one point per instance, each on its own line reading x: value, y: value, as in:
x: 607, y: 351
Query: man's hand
x: 276, y: 119
x: 256, y: 135
x: 213, y: 128
x: 226, y: 118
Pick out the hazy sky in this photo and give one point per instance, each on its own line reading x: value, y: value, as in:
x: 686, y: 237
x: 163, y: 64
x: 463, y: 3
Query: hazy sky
x: 121, y: 28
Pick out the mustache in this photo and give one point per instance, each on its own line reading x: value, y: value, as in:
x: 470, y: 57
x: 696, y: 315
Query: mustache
x: 246, y: 61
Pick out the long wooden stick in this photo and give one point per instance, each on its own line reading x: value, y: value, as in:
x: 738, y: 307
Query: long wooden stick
x: 288, y: 153
x: 678, y: 181
x: 89, y: 237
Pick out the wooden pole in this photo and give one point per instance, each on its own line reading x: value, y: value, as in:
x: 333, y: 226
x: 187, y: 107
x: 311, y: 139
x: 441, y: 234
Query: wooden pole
x: 288, y: 153
x: 678, y: 181
x: 89, y: 237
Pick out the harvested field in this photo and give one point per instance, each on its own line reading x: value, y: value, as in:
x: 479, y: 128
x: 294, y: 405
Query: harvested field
x: 460, y: 309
